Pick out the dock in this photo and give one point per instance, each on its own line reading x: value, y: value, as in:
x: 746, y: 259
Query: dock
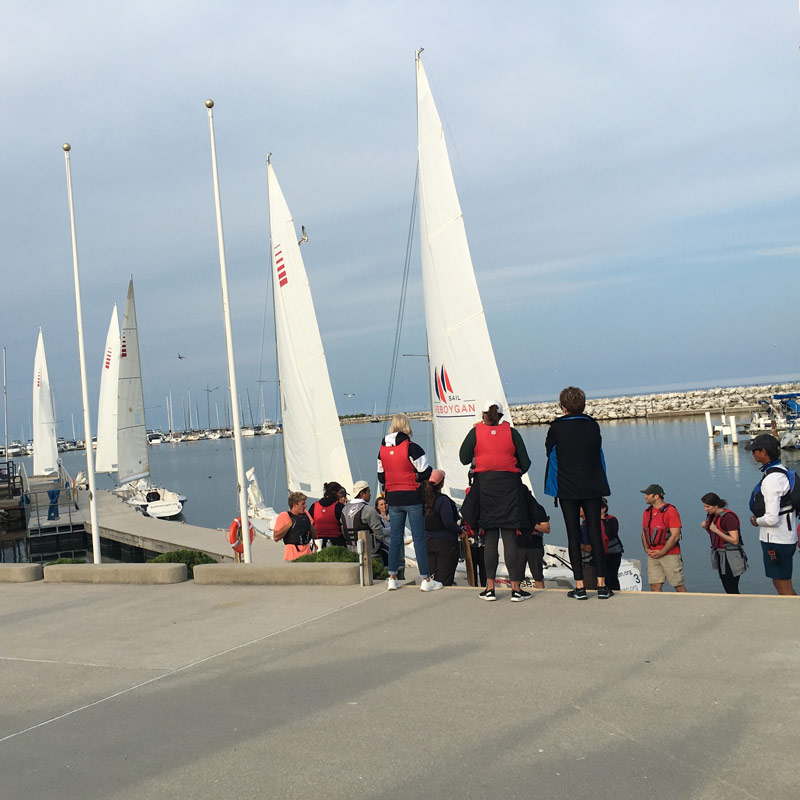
x: 347, y: 692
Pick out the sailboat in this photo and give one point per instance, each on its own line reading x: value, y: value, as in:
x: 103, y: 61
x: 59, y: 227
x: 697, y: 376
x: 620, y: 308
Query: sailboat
x: 463, y: 369
x: 45, y: 445
x: 313, y: 445
x: 133, y: 459
x: 106, y: 453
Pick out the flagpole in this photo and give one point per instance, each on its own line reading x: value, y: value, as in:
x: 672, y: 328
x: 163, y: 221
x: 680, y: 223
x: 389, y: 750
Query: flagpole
x: 87, y: 421
x: 226, y: 313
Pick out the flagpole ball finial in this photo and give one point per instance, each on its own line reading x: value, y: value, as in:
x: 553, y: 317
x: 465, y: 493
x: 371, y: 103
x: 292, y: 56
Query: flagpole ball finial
x: 66, y: 147
x: 209, y: 103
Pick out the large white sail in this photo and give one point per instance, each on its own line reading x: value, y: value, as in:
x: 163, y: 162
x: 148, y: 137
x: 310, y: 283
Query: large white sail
x: 463, y: 370
x: 45, y: 447
x: 312, y: 435
x: 133, y: 461
x: 106, y: 454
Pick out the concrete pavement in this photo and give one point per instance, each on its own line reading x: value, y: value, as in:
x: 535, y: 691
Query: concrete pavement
x: 236, y: 691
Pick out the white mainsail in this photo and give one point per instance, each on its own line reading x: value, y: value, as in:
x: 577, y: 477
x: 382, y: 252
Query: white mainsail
x: 133, y: 460
x: 45, y: 447
x: 463, y: 370
x: 106, y: 455
x: 312, y: 435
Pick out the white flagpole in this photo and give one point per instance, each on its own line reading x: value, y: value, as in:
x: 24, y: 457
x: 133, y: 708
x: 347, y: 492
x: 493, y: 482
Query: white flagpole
x: 5, y: 408
x: 226, y: 312
x: 87, y: 421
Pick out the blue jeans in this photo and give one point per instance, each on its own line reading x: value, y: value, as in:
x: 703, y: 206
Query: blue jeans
x: 416, y: 521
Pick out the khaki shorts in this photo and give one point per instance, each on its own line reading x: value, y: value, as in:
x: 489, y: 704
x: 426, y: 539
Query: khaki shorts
x: 667, y: 568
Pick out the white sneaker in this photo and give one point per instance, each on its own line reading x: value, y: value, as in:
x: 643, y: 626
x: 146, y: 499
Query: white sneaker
x: 392, y: 584
x: 430, y: 585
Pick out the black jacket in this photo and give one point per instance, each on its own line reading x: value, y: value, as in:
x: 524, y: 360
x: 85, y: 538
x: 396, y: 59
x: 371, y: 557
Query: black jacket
x: 576, y: 468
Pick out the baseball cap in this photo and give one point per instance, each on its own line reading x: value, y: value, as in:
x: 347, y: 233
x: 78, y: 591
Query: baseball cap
x: 762, y: 441
x: 653, y: 488
x: 437, y: 476
x: 359, y: 486
x: 489, y: 403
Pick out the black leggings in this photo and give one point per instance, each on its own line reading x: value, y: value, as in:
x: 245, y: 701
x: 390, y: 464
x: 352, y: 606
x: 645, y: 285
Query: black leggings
x: 572, y: 519
x: 511, y: 553
x: 730, y: 582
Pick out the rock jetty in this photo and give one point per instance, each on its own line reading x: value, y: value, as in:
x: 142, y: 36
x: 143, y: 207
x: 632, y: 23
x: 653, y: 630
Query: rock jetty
x: 721, y: 400
x: 736, y: 400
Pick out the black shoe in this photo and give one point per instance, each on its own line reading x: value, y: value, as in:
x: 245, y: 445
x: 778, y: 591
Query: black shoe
x: 519, y: 596
x: 487, y: 594
x: 603, y: 592
x: 578, y: 594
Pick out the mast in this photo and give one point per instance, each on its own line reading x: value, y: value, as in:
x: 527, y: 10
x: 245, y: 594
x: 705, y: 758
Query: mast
x: 87, y: 420
x: 226, y: 313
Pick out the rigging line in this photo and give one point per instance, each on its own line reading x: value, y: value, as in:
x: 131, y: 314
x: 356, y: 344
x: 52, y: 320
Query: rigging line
x: 403, y: 293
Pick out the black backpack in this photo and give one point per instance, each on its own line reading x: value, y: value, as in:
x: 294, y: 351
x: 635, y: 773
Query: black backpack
x: 790, y: 502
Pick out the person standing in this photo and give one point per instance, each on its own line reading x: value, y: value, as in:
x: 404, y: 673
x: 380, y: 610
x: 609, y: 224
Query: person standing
x: 727, y: 554
x: 494, y: 502
x: 576, y: 477
x: 661, y: 534
x: 295, y: 528
x: 613, y: 546
x: 402, y: 467
x: 442, y: 531
x: 772, y: 513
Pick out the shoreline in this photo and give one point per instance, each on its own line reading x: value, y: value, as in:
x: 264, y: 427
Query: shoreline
x: 719, y: 400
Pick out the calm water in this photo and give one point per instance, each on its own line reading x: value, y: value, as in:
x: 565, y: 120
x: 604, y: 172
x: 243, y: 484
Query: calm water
x: 674, y: 453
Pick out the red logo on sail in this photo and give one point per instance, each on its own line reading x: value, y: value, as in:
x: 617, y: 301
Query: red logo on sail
x: 107, y: 364
x: 123, y: 349
x: 280, y: 267
x: 448, y: 403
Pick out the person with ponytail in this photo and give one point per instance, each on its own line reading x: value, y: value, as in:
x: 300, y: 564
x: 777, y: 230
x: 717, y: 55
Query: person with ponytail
x: 442, y: 530
x: 727, y: 554
x: 327, y: 514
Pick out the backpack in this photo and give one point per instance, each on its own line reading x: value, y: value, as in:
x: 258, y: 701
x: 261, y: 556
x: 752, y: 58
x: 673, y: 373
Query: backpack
x: 790, y: 502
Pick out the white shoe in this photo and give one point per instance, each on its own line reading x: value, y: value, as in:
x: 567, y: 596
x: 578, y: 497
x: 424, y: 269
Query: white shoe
x: 430, y: 585
x: 392, y: 584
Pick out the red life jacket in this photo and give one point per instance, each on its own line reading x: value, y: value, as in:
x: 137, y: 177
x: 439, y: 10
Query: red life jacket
x: 657, y: 537
x: 604, y: 534
x: 325, y: 521
x: 494, y: 448
x: 399, y: 472
x: 717, y: 542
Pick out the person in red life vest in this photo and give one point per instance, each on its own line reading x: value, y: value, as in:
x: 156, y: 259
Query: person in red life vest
x: 327, y: 514
x: 442, y: 530
x: 661, y: 533
x: 295, y: 528
x: 499, y: 459
x: 576, y: 476
x: 727, y: 554
x: 402, y: 467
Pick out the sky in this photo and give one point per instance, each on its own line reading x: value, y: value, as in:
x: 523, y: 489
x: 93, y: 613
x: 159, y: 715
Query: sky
x: 628, y: 174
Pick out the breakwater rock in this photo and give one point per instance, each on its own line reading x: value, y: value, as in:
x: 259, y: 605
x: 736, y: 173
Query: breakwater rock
x: 728, y: 400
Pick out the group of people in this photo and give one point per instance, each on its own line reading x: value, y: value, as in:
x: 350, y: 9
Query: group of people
x: 500, y: 507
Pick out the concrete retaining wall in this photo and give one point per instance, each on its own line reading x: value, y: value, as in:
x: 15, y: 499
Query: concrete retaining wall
x: 115, y: 573
x: 20, y: 573
x: 311, y: 574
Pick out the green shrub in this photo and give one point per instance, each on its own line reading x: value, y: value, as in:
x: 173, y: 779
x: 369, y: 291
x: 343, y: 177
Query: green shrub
x: 189, y: 557
x: 66, y: 561
x: 337, y: 554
